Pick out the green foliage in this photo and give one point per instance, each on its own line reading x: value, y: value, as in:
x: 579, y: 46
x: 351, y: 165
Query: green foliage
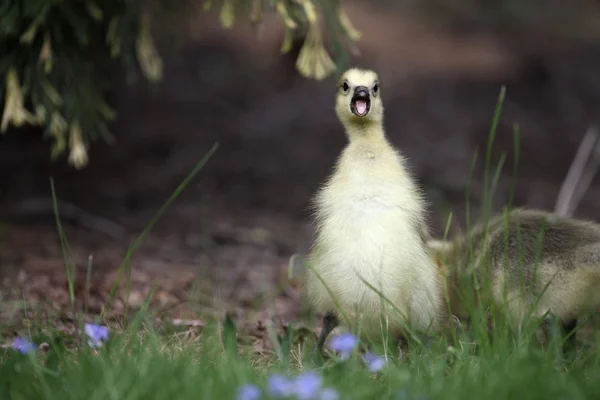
x: 153, y: 364
x: 58, y: 57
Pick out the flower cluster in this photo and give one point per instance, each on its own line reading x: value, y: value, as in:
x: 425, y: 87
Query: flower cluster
x: 97, y: 335
x: 374, y: 363
x: 345, y: 344
x: 23, y: 346
x: 309, y: 385
x: 306, y: 386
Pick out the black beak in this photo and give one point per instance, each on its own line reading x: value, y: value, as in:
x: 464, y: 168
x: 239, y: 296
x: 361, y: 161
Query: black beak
x: 361, y: 92
x: 360, y: 105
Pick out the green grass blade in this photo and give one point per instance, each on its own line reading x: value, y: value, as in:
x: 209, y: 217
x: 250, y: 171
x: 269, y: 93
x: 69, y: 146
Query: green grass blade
x: 229, y: 337
x: 66, y: 250
x: 125, y: 265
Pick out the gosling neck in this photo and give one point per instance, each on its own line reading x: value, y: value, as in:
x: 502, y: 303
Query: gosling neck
x: 370, y: 131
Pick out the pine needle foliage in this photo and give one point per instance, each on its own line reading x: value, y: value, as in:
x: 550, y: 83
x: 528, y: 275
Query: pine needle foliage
x: 58, y: 57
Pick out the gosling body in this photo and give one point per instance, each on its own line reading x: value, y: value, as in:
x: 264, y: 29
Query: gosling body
x: 550, y: 265
x: 371, y: 226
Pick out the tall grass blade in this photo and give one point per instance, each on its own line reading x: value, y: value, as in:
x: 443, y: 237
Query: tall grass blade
x: 66, y: 250
x: 125, y: 264
x: 517, y: 155
x: 229, y: 337
x: 488, y: 155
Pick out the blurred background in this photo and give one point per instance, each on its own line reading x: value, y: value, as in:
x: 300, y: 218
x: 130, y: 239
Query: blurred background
x: 226, y: 241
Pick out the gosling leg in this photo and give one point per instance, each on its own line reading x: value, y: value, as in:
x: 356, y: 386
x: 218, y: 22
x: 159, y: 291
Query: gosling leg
x: 568, y: 327
x: 330, y: 321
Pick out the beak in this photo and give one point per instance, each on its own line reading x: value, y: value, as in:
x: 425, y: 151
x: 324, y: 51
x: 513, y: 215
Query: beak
x: 360, y: 105
x: 361, y: 92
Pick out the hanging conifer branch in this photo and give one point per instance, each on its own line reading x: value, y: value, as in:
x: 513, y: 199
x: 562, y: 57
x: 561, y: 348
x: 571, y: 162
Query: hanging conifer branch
x: 56, y: 57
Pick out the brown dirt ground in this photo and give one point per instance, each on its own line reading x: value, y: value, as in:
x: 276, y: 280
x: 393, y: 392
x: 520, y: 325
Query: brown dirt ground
x: 227, y: 240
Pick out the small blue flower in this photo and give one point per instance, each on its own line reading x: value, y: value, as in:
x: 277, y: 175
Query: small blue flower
x: 343, y: 344
x: 307, y: 385
x: 248, y: 392
x: 328, y: 394
x: 374, y: 363
x: 96, y: 334
x: 23, y: 345
x: 279, y: 386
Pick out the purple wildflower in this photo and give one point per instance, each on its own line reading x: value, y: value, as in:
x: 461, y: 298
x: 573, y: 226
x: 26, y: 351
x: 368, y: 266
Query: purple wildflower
x: 307, y: 385
x: 343, y: 344
x: 23, y: 345
x: 248, y: 392
x: 374, y: 363
x: 279, y: 386
x: 96, y: 334
x: 328, y: 394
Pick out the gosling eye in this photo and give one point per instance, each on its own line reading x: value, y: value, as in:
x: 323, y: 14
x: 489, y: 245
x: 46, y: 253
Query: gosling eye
x: 345, y: 87
x: 375, y: 88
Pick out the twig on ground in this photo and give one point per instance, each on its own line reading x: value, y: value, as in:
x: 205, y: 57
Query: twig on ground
x: 68, y: 211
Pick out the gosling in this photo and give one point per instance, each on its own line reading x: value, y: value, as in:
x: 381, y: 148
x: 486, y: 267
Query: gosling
x: 549, y: 266
x: 371, y: 227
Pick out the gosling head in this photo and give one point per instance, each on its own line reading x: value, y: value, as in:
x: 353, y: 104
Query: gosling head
x: 358, y: 100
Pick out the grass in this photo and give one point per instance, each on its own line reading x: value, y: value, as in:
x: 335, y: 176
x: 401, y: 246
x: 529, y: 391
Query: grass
x: 141, y: 360
x: 148, y: 364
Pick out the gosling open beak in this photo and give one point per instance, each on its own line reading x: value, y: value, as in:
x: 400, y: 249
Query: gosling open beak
x: 360, y: 105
